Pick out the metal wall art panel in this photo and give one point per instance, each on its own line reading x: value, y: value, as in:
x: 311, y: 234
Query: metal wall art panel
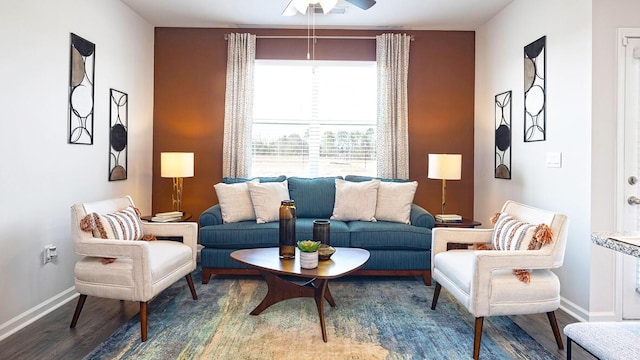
x: 81, y: 90
x: 118, y: 150
x: 502, y: 164
x: 535, y: 91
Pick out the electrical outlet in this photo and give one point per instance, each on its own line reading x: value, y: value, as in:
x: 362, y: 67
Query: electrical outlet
x: 50, y: 252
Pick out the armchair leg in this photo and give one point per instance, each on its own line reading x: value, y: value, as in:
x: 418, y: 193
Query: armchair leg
x: 477, y: 337
x: 191, y: 287
x: 143, y: 320
x: 436, y: 294
x: 76, y: 313
x: 556, y: 331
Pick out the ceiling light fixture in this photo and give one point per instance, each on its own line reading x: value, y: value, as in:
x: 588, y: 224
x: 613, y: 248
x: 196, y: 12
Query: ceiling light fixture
x: 301, y: 6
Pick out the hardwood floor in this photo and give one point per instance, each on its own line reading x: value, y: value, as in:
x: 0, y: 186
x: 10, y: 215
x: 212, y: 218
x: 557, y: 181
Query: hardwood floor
x: 51, y: 338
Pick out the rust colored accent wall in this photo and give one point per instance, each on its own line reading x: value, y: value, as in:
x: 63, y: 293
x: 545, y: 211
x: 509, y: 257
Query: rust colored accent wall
x: 190, y: 75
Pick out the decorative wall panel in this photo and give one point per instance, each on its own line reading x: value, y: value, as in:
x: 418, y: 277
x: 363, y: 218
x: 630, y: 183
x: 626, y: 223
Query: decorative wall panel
x: 118, y: 150
x: 502, y: 163
x: 81, y: 90
x: 535, y: 91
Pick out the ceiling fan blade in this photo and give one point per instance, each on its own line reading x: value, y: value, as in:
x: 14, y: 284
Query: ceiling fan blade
x: 362, y: 4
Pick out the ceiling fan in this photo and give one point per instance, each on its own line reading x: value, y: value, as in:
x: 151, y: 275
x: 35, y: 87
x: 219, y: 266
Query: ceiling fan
x: 301, y: 6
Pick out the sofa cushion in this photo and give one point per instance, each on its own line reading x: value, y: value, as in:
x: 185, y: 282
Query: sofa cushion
x: 394, y: 201
x: 339, y: 231
x: 240, y: 235
x: 262, y: 179
x: 388, y: 235
x: 314, y: 197
x: 266, y: 199
x: 235, y: 201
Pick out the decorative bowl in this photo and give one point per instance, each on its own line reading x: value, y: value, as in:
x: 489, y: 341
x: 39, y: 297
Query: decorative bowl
x: 325, y: 252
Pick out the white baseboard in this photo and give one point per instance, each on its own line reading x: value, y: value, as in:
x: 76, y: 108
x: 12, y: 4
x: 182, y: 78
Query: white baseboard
x: 28, y: 317
x: 574, y: 310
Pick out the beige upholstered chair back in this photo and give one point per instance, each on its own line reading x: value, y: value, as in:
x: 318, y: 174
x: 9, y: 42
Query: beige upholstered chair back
x: 79, y: 211
x: 558, y: 223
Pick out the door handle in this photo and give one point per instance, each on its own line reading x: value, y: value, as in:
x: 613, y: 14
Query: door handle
x: 632, y: 200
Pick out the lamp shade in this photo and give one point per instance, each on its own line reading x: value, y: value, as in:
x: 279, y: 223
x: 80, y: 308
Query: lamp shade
x: 176, y: 164
x: 445, y: 166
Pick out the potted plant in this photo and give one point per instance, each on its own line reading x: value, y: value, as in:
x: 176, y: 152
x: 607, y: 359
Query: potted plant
x: 308, y: 253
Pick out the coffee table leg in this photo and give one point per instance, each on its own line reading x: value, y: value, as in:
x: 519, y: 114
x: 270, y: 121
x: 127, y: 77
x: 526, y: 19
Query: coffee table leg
x: 279, y: 289
x: 320, y: 292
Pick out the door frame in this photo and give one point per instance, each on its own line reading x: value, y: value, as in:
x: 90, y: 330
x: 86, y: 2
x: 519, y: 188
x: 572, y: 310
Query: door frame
x: 623, y: 35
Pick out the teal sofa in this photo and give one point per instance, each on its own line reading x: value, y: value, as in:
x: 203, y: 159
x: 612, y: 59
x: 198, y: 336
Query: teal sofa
x: 396, y: 249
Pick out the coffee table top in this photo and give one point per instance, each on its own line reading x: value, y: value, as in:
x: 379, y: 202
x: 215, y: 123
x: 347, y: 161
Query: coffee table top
x: 342, y: 262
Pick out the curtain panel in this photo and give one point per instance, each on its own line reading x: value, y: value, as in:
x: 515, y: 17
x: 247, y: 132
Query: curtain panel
x: 392, y: 57
x: 238, y: 108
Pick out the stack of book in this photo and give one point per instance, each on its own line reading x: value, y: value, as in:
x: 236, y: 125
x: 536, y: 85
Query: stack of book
x: 167, y: 216
x: 448, y: 218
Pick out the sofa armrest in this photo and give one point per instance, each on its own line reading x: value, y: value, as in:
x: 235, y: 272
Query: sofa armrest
x: 421, y: 217
x: 211, y: 216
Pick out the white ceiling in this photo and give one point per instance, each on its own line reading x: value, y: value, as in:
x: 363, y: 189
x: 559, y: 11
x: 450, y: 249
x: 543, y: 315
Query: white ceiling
x: 386, y: 14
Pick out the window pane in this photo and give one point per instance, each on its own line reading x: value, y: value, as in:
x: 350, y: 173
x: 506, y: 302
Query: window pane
x: 315, y: 120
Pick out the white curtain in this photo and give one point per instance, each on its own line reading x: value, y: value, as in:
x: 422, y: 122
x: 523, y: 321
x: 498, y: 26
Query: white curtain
x: 392, y: 56
x: 238, y: 106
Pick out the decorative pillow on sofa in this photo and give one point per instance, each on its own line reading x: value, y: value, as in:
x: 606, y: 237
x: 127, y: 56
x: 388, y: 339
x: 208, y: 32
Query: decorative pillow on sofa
x: 266, y: 198
x: 122, y: 225
x: 355, y: 200
x: 394, y: 201
x: 314, y: 197
x: 235, y: 201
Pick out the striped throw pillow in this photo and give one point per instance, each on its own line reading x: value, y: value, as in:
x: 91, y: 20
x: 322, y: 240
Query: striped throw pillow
x: 510, y: 233
x: 123, y: 225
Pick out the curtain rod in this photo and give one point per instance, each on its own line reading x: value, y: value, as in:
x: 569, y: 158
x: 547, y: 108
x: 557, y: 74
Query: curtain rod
x: 331, y: 37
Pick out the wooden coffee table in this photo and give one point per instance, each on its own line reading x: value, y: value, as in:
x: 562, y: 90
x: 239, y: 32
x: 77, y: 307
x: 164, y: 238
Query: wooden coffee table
x: 343, y: 262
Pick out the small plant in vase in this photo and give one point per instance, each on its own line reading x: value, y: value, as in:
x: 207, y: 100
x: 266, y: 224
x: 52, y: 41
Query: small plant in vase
x: 308, y: 253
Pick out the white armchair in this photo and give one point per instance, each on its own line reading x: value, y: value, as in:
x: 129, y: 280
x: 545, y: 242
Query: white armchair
x: 483, y: 280
x: 141, y: 270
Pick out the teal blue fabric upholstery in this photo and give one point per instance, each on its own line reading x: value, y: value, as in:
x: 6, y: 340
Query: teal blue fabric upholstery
x: 388, y: 235
x: 230, y: 180
x: 339, y: 233
x: 314, y: 197
x: 393, y: 246
x: 360, y: 178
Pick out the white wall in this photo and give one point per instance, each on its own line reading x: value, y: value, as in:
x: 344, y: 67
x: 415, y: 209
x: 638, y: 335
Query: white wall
x: 42, y: 175
x: 499, y: 67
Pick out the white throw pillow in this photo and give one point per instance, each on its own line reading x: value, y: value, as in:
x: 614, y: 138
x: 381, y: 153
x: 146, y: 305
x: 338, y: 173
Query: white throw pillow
x: 235, y: 201
x: 355, y: 200
x: 266, y: 198
x: 394, y: 201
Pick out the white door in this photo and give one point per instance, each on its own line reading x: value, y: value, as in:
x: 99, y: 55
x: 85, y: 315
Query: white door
x: 629, y: 109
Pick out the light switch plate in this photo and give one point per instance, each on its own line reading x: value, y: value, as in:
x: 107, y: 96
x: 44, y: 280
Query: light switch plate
x: 554, y: 159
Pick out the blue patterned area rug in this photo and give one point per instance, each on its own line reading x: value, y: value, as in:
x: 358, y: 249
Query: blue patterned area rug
x: 375, y: 318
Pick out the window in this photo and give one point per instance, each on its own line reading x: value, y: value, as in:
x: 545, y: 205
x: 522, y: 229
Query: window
x: 314, y: 118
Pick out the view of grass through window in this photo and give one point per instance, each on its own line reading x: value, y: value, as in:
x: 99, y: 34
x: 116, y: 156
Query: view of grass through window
x: 314, y: 118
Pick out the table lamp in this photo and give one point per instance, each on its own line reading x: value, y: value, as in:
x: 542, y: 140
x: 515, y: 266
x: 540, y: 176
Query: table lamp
x: 445, y: 167
x: 176, y: 165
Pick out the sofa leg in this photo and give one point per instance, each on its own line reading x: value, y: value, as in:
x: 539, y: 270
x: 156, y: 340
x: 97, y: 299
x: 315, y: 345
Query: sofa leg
x: 436, y: 294
x: 206, y: 275
x: 426, y: 277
